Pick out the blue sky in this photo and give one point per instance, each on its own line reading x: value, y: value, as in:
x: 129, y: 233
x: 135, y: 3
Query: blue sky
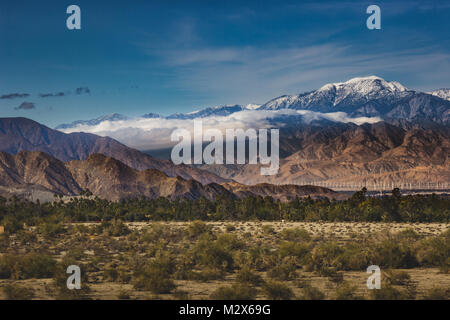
x: 172, y: 56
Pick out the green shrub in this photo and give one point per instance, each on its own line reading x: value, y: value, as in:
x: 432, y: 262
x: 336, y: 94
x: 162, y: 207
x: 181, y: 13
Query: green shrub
x: 180, y: 295
x: 353, y: 257
x: 324, y: 256
x: 4, y: 241
x: 8, y: 266
x: 275, y: 290
x: 123, y: 295
x: 26, y: 237
x: 11, y: 224
x: 197, y: 228
x: 230, y: 228
x: 256, y: 257
x: 435, y: 251
x: 152, y: 280
x: 155, y: 233
x: 51, y: 229
x: 13, y: 292
x: 60, y: 280
x: 393, y: 253
x: 111, y: 274
x: 336, y: 277
x: 294, y: 249
x: 216, y: 254
x: 38, y: 266
x: 268, y: 229
x: 248, y: 276
x: 117, y: 228
x: 347, y: 292
x: 387, y: 293
x: 29, y: 266
x: 156, y: 275
x: 206, y: 274
x: 295, y: 234
x: 312, y: 293
x: 437, y: 294
x: 397, y: 277
x: 234, y: 292
x: 284, y: 270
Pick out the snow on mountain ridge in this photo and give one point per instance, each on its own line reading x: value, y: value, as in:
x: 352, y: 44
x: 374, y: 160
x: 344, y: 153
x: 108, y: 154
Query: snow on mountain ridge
x: 369, y: 96
x: 443, y: 93
x: 360, y: 88
x: 108, y: 117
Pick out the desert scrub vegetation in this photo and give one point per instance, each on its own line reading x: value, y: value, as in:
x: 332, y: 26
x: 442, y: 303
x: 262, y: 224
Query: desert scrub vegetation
x: 156, y: 275
x: 32, y: 265
x: 295, y: 234
x: 201, y: 259
x: 275, y: 290
x: 197, y: 228
x: 248, y: 277
x: 51, y: 229
x: 346, y: 291
x: 14, y: 292
x: 60, y: 279
x: 234, y: 292
x: 437, y: 294
x: 401, y: 250
x: 388, y: 293
x: 311, y: 293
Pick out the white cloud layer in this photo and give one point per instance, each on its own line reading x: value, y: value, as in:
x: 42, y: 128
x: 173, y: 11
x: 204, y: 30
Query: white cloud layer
x: 151, y: 134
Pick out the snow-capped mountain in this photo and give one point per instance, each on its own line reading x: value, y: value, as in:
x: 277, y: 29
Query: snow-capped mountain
x: 356, y: 90
x: 212, y: 111
x: 369, y: 97
x: 151, y: 115
x: 443, y: 93
x: 93, y: 122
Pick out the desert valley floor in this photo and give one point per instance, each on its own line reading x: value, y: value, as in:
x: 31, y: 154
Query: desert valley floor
x: 248, y: 251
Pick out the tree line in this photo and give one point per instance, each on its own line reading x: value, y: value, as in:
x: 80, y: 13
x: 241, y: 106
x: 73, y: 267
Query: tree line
x: 359, y: 207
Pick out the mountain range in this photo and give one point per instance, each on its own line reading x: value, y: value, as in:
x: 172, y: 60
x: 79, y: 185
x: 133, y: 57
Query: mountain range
x: 22, y: 134
x: 406, y: 144
x: 350, y: 156
x: 369, y: 96
x: 35, y: 174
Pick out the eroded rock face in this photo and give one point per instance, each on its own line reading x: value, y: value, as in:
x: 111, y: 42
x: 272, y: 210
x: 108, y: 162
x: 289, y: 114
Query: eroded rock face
x: 370, y: 154
x: 111, y: 179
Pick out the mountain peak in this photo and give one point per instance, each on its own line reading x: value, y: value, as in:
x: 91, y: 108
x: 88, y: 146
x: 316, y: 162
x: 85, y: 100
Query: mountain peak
x: 365, y: 85
x: 93, y: 122
x: 372, y: 77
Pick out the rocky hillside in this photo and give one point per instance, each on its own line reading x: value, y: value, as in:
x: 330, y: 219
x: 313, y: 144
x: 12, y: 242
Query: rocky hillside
x: 21, y: 134
x: 37, y: 172
x: 378, y: 155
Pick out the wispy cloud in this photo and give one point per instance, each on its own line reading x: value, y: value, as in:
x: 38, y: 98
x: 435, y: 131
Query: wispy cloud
x: 50, y: 95
x: 26, y: 106
x: 78, y: 91
x: 250, y: 74
x: 148, y: 134
x: 14, y: 95
x: 82, y: 90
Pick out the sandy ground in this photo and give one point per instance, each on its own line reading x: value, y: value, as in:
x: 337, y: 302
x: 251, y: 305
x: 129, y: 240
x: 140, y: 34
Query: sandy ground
x: 424, y: 279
